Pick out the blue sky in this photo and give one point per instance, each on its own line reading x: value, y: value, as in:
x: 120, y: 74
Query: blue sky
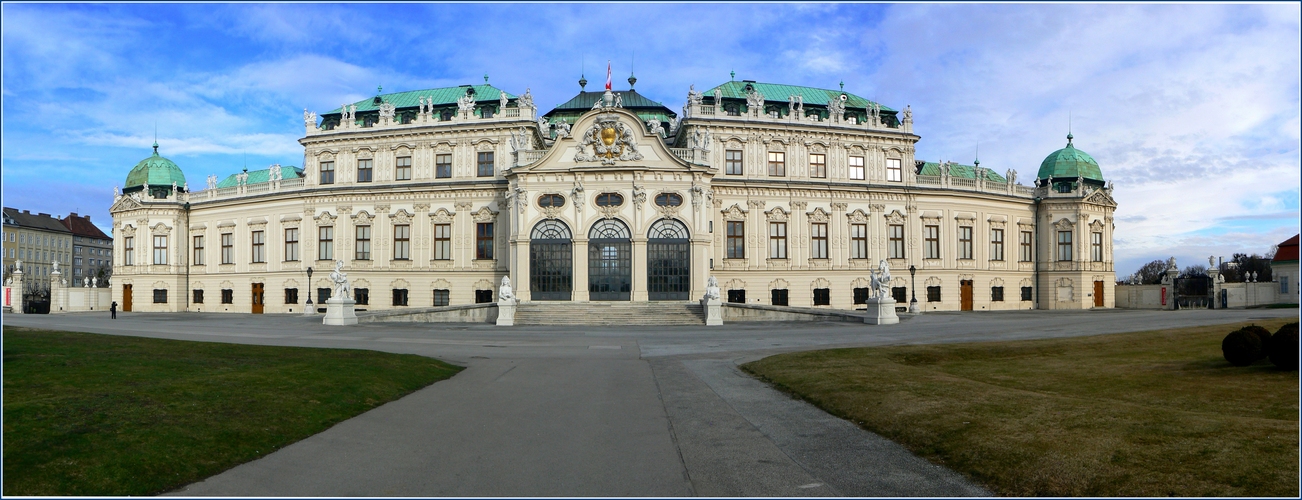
x: 1193, y: 110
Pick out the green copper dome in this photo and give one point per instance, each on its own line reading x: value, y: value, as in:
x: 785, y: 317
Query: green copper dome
x: 155, y: 171
x: 1069, y: 163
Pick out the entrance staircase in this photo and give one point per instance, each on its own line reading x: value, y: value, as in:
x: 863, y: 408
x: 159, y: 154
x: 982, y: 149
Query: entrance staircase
x: 609, y: 313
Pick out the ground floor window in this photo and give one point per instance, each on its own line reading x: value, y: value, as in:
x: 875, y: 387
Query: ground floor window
x: 399, y: 296
x: 933, y: 294
x: 861, y: 295
x: 779, y: 297
x: 441, y: 297
x: 822, y: 296
x: 228, y: 296
x: 160, y: 295
x: 737, y: 296
x: 322, y: 295
x: 362, y: 296
x: 900, y: 294
x: 996, y: 294
x: 1026, y: 293
x: 198, y: 296
x: 291, y: 295
x: 483, y: 296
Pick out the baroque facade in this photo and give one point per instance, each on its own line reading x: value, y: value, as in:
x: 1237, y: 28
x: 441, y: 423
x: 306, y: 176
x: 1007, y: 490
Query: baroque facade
x: 787, y: 195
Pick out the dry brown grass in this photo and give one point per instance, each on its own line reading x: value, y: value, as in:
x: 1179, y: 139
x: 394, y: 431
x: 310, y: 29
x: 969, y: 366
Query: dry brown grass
x: 1136, y: 414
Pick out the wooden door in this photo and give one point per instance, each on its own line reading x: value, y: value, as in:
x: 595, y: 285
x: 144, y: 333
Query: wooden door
x: 126, y: 298
x: 257, y: 298
x: 965, y: 294
x: 1098, y: 294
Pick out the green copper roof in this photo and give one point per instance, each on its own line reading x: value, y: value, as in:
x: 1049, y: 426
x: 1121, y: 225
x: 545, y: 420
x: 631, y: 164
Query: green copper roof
x: 629, y: 98
x: 262, y: 176
x: 774, y: 92
x: 960, y: 171
x: 155, y: 171
x: 1069, y: 163
x: 442, y: 97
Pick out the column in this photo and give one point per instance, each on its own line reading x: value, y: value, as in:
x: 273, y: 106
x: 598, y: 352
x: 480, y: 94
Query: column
x: 579, y: 244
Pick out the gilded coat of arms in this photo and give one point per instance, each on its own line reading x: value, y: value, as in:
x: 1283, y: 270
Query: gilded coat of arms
x: 607, y: 141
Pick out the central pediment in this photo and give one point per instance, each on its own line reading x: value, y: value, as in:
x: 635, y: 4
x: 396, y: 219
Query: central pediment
x: 610, y: 137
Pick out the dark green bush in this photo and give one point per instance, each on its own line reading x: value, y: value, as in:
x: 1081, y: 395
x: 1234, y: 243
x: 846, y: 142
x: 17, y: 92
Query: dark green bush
x: 1241, y: 348
x: 1283, y: 347
x: 1263, y: 335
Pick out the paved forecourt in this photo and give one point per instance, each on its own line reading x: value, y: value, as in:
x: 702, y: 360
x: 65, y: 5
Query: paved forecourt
x: 603, y: 411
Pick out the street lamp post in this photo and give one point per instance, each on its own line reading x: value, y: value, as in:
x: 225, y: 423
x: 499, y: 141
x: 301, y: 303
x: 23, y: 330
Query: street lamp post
x: 308, y: 310
x: 913, y: 288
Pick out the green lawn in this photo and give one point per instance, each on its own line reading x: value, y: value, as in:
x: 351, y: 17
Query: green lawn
x: 1137, y: 414
x: 89, y: 414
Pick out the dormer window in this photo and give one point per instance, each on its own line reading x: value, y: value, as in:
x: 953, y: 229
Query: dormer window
x: 732, y: 109
x: 669, y: 199
x: 610, y: 200
x: 551, y: 200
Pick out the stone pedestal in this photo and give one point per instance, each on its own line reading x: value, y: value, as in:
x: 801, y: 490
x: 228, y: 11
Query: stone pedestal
x: 309, y: 308
x: 913, y: 307
x: 339, y: 312
x: 713, y: 311
x: 58, y: 297
x: 506, y: 312
x: 881, y: 311
x: 16, y: 301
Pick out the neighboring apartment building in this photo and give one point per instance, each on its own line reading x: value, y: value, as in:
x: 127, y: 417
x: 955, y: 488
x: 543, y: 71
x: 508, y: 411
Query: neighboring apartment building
x: 788, y: 195
x: 92, y: 251
x: 1284, y: 269
x: 38, y: 240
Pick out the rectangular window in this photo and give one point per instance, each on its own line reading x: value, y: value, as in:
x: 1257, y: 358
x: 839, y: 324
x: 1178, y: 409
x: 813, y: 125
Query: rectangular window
x: 996, y: 244
x: 933, y: 294
x: 327, y: 172
x: 996, y: 294
x: 1064, y: 245
x: 897, y: 241
x: 777, y: 240
x: 778, y: 297
x: 822, y: 296
x: 363, y: 170
x: 363, y: 241
x: 362, y: 296
x: 736, y: 240
x: 818, y: 241
x: 258, y: 246
x: 228, y: 248
x: 228, y: 296
x: 777, y: 164
x: 441, y: 297
x: 899, y: 294
x: 483, y: 296
x: 402, y: 242
x: 402, y: 169
x: 322, y: 295
x: 1026, y: 293
x: 965, y: 242
x: 160, y: 249
x: 861, y: 295
x: 1283, y: 284
x: 198, y: 251
x: 198, y: 297
x: 818, y: 165
x: 325, y: 243
x: 856, y: 168
x: 893, y: 171
x: 733, y: 162
x: 399, y: 296
x: 485, y: 162
x: 858, y: 241
x: 443, y: 242
x: 931, y: 236
x: 484, y: 240
x: 291, y: 295
x: 160, y: 296
x: 1096, y: 247
x: 1026, y: 244
x: 737, y: 296
x: 291, y: 244
x: 443, y: 166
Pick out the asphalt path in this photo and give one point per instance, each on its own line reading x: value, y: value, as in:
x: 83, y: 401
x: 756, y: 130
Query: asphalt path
x: 603, y: 411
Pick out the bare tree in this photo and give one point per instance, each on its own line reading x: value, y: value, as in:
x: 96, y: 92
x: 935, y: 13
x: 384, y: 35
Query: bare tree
x: 1152, y: 272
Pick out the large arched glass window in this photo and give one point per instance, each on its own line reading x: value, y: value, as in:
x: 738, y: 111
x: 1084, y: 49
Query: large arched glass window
x: 668, y: 261
x: 610, y: 261
x: 551, y: 261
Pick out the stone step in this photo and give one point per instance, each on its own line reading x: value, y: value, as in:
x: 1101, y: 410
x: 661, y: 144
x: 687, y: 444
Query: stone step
x: 609, y: 313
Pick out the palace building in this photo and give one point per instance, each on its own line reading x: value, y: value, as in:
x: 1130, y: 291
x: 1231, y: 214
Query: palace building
x: 788, y: 195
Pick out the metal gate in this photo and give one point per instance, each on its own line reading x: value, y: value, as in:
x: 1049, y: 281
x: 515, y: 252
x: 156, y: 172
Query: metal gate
x: 610, y: 261
x: 551, y: 261
x: 668, y: 261
x: 1194, y: 292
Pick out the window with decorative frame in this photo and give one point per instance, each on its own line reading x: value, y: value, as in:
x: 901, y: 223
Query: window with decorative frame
x: 894, y: 173
x: 364, y: 170
x: 228, y: 248
x: 896, y: 241
x: 160, y: 295
x: 996, y: 244
x: 443, y: 242
x: 484, y: 240
x: 858, y: 241
x: 817, y: 165
x: 818, y: 240
x: 856, y: 168
x: 965, y: 242
x: 325, y: 243
x: 401, y: 242
x: 443, y: 166
x: 228, y: 296
x: 1064, y: 245
x: 822, y: 296
x: 736, y: 240
x: 777, y: 164
x: 257, y: 253
x: 291, y: 295
x: 1096, y: 246
x: 933, y: 294
x: 931, y: 238
x: 777, y: 240
x: 327, y: 172
x: 291, y: 244
x: 198, y: 250
x: 198, y: 297
x: 402, y: 168
x: 441, y: 297
x: 733, y: 162
x: 399, y: 296
x: 484, y: 161
x: 1026, y: 294
x: 1027, y: 245
x: 160, y: 249
x: 996, y: 294
x: 363, y: 243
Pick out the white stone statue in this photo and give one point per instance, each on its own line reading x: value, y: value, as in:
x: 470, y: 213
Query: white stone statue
x: 9, y: 281
x: 693, y: 96
x: 619, y: 100
x: 712, y: 288
x: 1211, y: 262
x: 274, y: 172
x: 116, y: 192
x: 562, y: 130
x: 18, y: 266
x: 576, y: 194
x: 883, y: 284
x: 718, y: 101
x: 1012, y: 176
x: 309, y: 118
x: 525, y: 100
x: 466, y: 104
x: 653, y: 127
x: 94, y: 282
x: 1254, y: 276
x: 908, y: 114
x: 639, y: 196
x: 544, y: 127
x: 387, y: 111
x: 501, y: 101
x: 86, y: 282
x: 504, y: 292
x: 56, y: 266
x: 1170, y: 264
x: 836, y: 109
x: 343, y: 290
x: 698, y: 195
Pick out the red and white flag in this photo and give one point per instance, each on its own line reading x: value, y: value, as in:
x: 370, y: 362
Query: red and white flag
x: 607, y: 75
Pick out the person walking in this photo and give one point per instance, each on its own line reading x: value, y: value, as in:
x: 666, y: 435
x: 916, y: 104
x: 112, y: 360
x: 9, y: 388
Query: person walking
x: 113, y: 310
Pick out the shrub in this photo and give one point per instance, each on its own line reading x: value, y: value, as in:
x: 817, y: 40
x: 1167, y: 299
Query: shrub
x: 1263, y: 336
x: 1241, y: 348
x: 1283, y: 347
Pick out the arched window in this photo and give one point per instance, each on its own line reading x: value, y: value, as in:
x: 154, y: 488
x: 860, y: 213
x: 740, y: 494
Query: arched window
x: 609, y: 229
x: 550, y: 229
x: 551, y: 200
x: 668, y: 229
x: 669, y: 199
x: 610, y: 200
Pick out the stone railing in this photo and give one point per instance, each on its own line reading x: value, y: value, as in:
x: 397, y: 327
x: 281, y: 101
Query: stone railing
x: 713, y: 112
x: 684, y: 154
x: 963, y: 184
x: 528, y: 156
x: 426, y: 120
